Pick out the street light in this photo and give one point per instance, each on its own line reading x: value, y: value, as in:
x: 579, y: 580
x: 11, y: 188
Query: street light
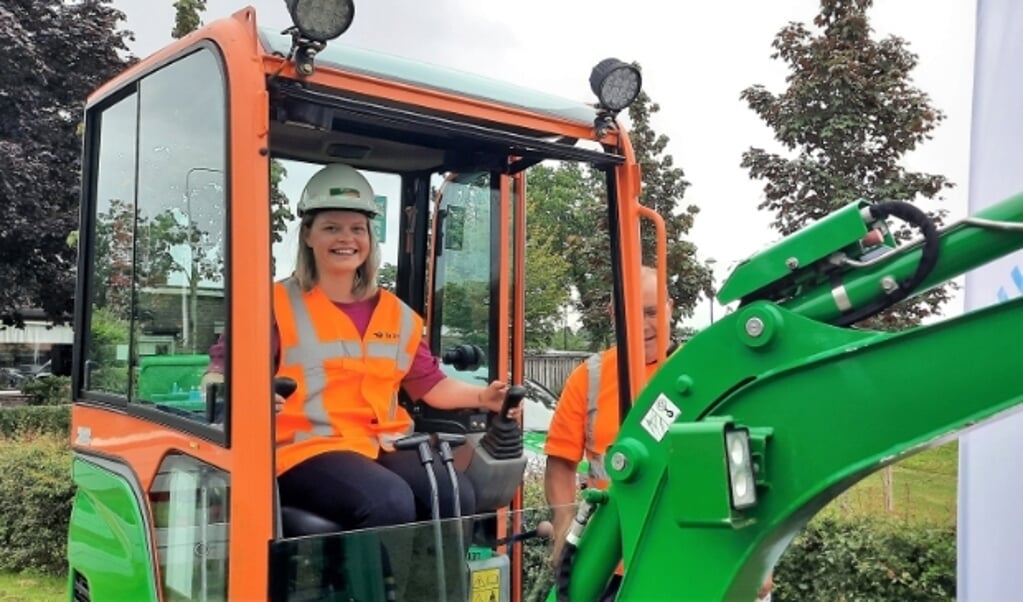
x: 710, y: 267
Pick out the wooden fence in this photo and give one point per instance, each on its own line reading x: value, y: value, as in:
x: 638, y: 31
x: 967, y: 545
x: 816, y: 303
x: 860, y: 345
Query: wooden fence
x: 552, y: 369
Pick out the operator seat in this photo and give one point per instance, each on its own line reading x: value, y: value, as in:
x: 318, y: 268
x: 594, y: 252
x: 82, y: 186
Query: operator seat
x: 296, y: 522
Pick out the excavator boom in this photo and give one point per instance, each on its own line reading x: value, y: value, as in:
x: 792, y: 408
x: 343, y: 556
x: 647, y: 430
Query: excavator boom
x: 761, y: 420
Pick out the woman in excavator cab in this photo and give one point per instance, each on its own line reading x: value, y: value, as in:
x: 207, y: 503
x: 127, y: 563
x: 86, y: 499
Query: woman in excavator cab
x: 350, y: 347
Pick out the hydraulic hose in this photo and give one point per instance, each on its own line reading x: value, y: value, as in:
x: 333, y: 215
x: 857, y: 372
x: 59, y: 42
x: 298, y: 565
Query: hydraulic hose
x: 563, y: 579
x: 911, y: 214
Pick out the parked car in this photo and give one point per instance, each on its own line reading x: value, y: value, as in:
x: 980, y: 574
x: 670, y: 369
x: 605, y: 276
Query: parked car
x: 11, y: 378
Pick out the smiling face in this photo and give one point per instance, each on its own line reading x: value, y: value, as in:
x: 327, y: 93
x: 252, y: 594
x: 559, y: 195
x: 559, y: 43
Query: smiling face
x: 340, y: 241
x: 650, y: 315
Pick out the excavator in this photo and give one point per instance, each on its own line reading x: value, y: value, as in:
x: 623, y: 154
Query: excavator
x: 723, y: 456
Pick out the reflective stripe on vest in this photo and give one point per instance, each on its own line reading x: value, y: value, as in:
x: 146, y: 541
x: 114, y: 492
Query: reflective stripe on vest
x: 597, y: 472
x: 310, y: 354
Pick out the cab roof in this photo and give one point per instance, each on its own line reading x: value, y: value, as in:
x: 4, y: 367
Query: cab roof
x: 442, y: 79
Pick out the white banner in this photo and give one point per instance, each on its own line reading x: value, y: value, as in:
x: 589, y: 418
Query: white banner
x: 990, y: 522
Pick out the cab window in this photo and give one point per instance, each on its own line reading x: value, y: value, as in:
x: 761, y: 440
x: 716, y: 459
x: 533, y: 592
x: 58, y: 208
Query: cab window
x: 158, y: 256
x: 462, y: 292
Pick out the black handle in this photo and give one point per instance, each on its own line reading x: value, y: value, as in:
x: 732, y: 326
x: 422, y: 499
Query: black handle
x: 512, y: 399
x: 285, y: 386
x: 463, y: 357
x: 452, y: 439
x: 412, y: 441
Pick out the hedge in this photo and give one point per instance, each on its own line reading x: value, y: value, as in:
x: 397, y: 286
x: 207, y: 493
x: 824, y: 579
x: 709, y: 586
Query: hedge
x: 35, y: 503
x: 868, y: 559
x: 49, y: 391
x: 24, y: 420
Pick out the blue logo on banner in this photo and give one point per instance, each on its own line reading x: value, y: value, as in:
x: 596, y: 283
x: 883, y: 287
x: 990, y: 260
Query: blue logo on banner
x: 1017, y: 279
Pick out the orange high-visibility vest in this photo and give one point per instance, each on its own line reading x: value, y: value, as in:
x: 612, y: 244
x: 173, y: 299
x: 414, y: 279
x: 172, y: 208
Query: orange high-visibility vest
x: 602, y: 392
x: 347, y: 395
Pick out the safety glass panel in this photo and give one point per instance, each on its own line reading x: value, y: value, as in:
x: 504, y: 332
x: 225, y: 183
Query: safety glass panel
x: 464, y: 255
x: 109, y: 334
x: 448, y: 559
x: 180, y: 243
x: 190, y: 502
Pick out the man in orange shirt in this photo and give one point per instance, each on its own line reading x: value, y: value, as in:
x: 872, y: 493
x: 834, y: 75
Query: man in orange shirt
x: 586, y: 423
x: 586, y: 420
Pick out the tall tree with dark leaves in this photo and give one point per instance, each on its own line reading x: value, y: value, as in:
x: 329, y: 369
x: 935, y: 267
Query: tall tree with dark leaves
x: 849, y: 115
x: 52, y: 55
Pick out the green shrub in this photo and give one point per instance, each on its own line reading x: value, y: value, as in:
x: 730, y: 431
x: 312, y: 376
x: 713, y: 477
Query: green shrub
x: 868, y: 559
x: 35, y: 503
x: 49, y: 391
x: 23, y: 420
x: 538, y: 576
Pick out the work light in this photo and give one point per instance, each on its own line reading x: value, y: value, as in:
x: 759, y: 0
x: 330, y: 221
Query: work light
x: 321, y: 20
x: 740, y: 469
x: 615, y: 83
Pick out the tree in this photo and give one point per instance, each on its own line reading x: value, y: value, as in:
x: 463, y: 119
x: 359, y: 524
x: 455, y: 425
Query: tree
x: 848, y: 116
x: 565, y: 210
x: 574, y: 212
x: 52, y: 55
x: 387, y: 276
x: 186, y: 17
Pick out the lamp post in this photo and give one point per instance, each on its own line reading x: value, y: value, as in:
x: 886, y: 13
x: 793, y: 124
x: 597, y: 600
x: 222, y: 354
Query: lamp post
x: 710, y: 267
x: 190, y: 324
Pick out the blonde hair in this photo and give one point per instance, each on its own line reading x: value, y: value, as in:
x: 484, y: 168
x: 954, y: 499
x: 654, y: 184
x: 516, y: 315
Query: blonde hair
x: 306, y: 276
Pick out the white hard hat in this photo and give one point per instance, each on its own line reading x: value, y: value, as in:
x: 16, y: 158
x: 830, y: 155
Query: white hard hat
x: 338, y: 186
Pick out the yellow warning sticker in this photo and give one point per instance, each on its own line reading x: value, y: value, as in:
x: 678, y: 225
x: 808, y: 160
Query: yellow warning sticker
x: 486, y: 585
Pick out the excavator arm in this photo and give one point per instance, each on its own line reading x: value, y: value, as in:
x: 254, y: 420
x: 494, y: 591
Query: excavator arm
x: 762, y: 419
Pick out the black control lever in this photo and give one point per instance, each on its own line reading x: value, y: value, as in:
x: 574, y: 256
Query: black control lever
x: 503, y: 439
x: 421, y: 442
x: 452, y: 439
x: 544, y: 529
x: 512, y: 399
x: 285, y: 386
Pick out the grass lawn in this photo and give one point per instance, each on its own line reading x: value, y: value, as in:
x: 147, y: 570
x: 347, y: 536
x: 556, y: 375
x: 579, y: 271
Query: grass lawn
x: 27, y: 587
x: 923, y: 489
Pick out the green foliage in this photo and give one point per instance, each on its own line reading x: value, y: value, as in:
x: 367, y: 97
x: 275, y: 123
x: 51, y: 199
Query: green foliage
x: 186, y: 17
x: 35, y: 504
x: 57, y: 52
x: 568, y: 218
x: 31, y: 420
x: 467, y: 311
x: 546, y: 290
x: 49, y: 391
x: 849, y: 115
x: 279, y: 203
x: 566, y: 339
x: 387, y: 276
x: 538, y: 575
x: 868, y: 559
x: 106, y: 332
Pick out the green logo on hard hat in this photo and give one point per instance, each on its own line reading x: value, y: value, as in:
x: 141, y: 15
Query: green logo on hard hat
x: 351, y: 193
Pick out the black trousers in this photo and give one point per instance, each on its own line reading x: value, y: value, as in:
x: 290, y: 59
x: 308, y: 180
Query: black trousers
x: 357, y: 492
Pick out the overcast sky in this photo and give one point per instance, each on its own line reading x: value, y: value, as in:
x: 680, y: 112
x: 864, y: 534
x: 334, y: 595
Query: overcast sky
x: 696, y: 58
